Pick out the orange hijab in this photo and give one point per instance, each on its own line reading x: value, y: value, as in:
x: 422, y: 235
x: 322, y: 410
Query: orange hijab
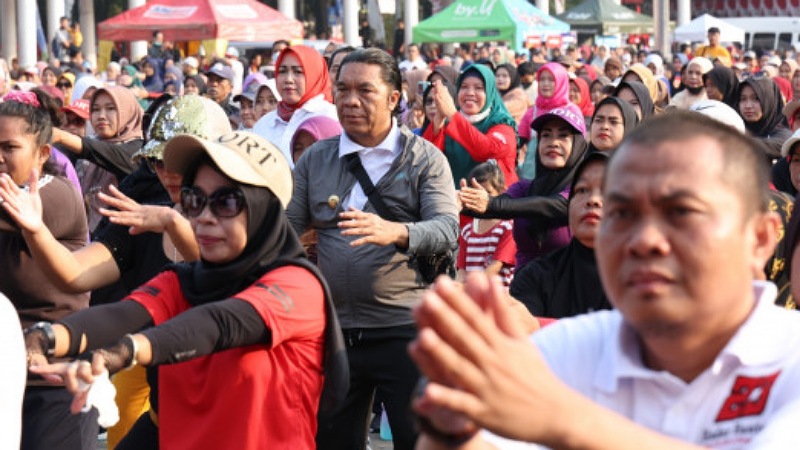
x: 316, y: 74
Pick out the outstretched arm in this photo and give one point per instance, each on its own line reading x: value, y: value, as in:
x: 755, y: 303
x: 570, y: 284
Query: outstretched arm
x: 88, y: 268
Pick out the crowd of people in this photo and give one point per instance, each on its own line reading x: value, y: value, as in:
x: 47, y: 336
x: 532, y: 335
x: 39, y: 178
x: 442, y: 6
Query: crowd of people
x: 249, y: 252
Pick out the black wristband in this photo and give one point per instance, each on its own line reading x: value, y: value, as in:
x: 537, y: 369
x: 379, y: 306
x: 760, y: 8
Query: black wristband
x: 119, y: 356
x: 426, y: 426
x: 45, y: 337
x: 74, y: 340
x: 449, y: 439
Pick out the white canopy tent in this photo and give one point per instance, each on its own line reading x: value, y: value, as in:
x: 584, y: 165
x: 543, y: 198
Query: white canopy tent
x: 697, y: 30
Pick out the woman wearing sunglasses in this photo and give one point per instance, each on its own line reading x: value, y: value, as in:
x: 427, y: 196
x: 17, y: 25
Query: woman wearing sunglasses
x: 144, y: 233
x: 238, y: 336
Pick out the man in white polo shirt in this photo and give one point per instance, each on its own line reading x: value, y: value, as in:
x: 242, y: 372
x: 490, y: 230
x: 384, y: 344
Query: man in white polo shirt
x: 695, y: 354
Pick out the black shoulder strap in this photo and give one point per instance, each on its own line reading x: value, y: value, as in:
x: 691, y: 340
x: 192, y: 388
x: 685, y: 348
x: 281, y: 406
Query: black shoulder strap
x: 357, y: 169
x: 336, y: 368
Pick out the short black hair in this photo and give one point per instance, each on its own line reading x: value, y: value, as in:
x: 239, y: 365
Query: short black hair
x: 346, y: 49
x: 744, y: 166
x: 489, y: 172
x: 713, y: 30
x: 526, y: 68
x: 390, y: 72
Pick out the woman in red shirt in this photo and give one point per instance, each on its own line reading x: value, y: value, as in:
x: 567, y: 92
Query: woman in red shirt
x: 478, y: 129
x: 239, y: 335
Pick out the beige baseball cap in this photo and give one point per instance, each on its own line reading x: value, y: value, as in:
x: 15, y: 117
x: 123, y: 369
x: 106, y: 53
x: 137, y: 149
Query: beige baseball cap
x: 788, y: 146
x: 242, y: 156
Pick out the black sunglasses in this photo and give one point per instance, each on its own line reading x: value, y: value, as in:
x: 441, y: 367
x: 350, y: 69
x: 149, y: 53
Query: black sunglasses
x: 63, y: 85
x: 154, y: 164
x: 224, y: 202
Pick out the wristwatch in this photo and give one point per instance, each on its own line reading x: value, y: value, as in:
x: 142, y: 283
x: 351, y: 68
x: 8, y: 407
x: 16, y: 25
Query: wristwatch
x: 47, y: 329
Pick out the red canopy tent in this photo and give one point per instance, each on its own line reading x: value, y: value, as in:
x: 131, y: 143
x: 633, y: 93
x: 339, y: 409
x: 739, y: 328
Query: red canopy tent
x: 195, y: 20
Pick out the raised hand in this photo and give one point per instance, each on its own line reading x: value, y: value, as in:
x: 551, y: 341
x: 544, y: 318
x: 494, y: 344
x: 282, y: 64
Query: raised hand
x: 24, y: 206
x: 445, y: 105
x: 473, y: 196
x: 140, y: 218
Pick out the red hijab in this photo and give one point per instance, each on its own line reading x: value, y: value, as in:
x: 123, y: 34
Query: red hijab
x: 316, y: 74
x: 586, y: 105
x: 785, y: 86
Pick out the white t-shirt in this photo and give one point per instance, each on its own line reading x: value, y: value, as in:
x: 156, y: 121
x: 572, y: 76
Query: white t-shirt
x: 408, y: 65
x: 279, y: 132
x: 13, y: 373
x: 748, y: 399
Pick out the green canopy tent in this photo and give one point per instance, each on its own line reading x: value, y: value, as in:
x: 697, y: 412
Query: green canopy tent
x: 604, y: 17
x: 513, y: 21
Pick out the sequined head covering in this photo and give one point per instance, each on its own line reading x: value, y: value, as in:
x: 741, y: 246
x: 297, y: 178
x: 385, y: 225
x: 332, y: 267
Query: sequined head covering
x: 189, y: 114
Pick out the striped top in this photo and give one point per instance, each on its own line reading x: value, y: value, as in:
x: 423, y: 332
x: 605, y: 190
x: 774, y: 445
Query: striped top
x: 477, y: 251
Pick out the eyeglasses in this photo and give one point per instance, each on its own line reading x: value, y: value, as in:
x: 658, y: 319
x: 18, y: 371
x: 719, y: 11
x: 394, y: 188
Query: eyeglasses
x: 63, y: 85
x: 76, y: 121
x: 224, y: 202
x: 154, y: 164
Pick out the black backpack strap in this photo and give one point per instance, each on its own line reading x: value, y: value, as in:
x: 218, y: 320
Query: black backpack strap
x: 336, y: 368
x: 357, y: 169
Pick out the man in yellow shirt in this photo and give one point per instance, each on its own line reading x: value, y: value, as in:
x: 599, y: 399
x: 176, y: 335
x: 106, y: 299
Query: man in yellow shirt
x: 713, y: 50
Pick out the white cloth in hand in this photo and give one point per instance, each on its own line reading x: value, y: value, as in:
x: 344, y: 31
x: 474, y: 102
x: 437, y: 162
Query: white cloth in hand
x: 101, y: 396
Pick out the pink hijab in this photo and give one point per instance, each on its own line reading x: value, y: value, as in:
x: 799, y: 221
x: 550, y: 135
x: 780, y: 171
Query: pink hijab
x: 561, y: 93
x: 545, y: 104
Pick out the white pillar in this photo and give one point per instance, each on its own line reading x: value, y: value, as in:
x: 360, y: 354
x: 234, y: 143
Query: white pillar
x: 350, y: 23
x: 26, y: 32
x: 9, y: 29
x: 412, y: 18
x: 544, y: 5
x: 287, y: 8
x: 661, y: 25
x: 138, y: 48
x: 684, y: 12
x: 89, y: 47
x: 55, y: 11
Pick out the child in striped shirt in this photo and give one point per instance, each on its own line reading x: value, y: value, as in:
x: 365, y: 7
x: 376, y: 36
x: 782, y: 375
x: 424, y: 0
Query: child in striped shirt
x: 487, y: 244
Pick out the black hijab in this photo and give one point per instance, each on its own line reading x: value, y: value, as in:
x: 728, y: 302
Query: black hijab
x: 643, y: 94
x: 727, y: 83
x: 769, y: 96
x: 629, y: 117
x: 270, y: 242
x: 566, y: 282
x: 553, y: 181
x: 512, y: 73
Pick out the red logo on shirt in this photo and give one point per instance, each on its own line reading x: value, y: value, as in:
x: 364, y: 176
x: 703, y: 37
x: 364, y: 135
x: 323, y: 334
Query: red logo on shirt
x: 748, y: 397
